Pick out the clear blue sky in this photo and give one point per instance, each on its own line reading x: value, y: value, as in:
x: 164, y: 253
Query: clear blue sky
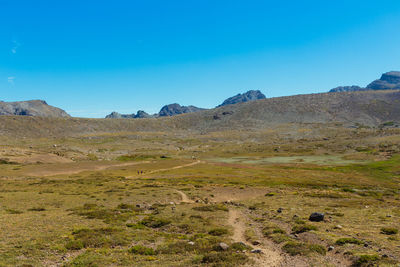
x: 93, y: 57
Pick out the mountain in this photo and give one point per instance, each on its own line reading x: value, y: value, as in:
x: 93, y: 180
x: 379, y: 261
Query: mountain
x: 353, y: 88
x: 31, y: 108
x: 176, y: 109
x: 241, y: 98
x: 388, y: 81
x: 348, y: 109
x: 139, y: 115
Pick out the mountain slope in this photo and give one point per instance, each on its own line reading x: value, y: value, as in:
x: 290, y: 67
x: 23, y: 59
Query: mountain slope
x: 31, y: 108
x: 370, y: 108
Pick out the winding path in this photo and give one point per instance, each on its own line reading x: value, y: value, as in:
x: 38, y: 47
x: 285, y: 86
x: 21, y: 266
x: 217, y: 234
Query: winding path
x: 268, y: 256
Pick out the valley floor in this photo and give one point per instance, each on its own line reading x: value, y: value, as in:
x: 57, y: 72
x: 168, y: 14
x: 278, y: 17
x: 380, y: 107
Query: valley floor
x: 218, y: 199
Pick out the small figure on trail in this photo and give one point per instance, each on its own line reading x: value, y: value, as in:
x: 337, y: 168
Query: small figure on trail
x: 141, y: 172
x: 138, y: 172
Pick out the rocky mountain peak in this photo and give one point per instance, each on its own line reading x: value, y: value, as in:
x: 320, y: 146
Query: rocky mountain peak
x: 245, y: 97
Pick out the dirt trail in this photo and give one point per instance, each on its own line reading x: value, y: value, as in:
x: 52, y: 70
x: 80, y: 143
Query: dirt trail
x: 74, y: 169
x: 185, y: 198
x: 174, y: 168
x: 268, y: 257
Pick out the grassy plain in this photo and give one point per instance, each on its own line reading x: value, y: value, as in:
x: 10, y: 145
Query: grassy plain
x: 170, y: 199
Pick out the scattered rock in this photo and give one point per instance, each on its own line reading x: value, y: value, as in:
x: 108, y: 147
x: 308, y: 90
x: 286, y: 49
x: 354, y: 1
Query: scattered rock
x: 317, y: 217
x: 280, y: 210
x: 330, y: 248
x: 338, y: 226
x: 258, y: 251
x: 191, y: 243
x: 223, y: 246
x: 256, y: 243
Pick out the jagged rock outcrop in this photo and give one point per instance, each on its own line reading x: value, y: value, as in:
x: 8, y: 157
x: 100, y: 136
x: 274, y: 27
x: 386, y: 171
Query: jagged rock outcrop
x: 388, y: 81
x: 245, y: 97
x: 31, y: 108
x: 139, y: 115
x: 176, y: 109
x: 352, y: 88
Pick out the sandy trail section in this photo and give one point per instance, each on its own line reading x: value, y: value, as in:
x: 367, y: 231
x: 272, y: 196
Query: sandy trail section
x: 185, y: 198
x: 168, y: 169
x: 268, y: 257
x: 174, y: 168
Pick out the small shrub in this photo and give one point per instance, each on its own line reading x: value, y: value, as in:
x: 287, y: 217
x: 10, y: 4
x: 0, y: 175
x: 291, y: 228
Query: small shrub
x: 298, y: 248
x: 210, y: 208
x: 348, y: 240
x: 74, y: 245
x: 278, y: 231
x: 96, y: 238
x: 294, y: 248
x: 366, y: 260
x: 154, y: 222
x: 279, y: 238
x: 142, y: 250
x: 37, y: 209
x: 389, y: 231
x: 297, y: 220
x: 218, y: 231
x: 239, y: 246
x: 225, y: 258
x: 301, y: 228
x: 317, y: 248
x: 179, y: 247
x: 12, y: 211
x: 269, y: 194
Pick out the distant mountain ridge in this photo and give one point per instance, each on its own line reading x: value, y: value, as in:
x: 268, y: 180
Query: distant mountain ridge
x: 176, y: 109
x: 241, y: 98
x: 388, y: 81
x: 31, y: 108
x: 139, y: 115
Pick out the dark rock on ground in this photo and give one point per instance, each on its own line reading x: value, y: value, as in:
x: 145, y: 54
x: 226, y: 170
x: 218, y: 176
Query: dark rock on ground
x: 317, y: 217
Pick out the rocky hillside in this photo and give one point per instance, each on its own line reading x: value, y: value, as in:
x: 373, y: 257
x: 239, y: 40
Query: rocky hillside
x: 139, y: 115
x: 388, y: 81
x: 353, y: 88
x: 241, y: 98
x: 370, y: 108
x: 176, y: 109
x: 31, y: 108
